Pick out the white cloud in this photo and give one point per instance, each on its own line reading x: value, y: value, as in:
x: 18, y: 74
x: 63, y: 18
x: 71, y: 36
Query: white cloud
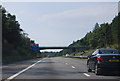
x: 80, y: 15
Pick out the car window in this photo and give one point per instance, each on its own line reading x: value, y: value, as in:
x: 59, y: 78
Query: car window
x: 95, y: 52
x: 108, y: 52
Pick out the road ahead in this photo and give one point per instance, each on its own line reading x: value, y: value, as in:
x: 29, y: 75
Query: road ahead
x: 51, y: 68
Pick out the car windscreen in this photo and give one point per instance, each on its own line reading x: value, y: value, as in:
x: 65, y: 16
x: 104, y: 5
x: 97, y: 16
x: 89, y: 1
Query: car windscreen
x: 108, y: 52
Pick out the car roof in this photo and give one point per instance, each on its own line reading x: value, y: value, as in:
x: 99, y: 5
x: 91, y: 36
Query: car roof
x: 107, y: 49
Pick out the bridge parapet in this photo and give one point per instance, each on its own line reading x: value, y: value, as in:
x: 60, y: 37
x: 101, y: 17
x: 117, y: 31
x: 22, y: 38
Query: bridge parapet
x: 71, y: 47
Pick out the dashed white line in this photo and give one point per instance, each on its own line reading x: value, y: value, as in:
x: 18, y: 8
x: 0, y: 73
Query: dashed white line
x: 66, y: 63
x: 43, y: 61
x: 73, y: 67
x: 15, y: 75
x: 86, y: 74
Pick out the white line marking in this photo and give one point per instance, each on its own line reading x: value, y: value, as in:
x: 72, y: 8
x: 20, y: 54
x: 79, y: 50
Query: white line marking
x: 15, y: 75
x: 73, y: 67
x: 43, y: 61
x: 66, y: 63
x: 86, y: 74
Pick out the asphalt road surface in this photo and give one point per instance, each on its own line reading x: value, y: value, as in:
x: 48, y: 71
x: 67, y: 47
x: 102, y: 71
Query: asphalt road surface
x: 51, y: 68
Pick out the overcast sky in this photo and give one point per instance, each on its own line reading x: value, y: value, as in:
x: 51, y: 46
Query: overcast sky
x: 60, y: 23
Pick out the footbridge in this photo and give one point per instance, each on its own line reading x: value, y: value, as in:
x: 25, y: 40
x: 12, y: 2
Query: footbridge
x: 64, y: 47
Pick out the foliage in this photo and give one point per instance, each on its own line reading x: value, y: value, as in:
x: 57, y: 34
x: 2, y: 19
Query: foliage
x: 103, y: 36
x: 15, y: 41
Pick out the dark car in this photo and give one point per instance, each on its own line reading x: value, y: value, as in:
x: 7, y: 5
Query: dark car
x: 103, y: 60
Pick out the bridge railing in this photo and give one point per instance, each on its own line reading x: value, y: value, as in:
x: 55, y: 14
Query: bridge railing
x: 71, y: 47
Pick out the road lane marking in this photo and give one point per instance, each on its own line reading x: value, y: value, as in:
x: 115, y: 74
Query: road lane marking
x: 73, y: 67
x: 66, y: 63
x: 86, y: 74
x: 15, y: 75
x: 43, y: 61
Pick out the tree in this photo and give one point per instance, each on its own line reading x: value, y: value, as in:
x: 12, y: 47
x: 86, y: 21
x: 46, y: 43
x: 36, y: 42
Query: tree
x: 96, y: 26
x: 15, y: 42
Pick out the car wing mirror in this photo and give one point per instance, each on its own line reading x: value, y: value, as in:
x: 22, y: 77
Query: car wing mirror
x: 89, y: 56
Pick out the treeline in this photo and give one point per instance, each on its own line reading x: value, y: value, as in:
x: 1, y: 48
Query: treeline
x: 102, y: 36
x: 15, y: 42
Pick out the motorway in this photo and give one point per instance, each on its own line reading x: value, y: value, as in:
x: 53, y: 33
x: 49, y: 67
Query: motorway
x: 51, y: 68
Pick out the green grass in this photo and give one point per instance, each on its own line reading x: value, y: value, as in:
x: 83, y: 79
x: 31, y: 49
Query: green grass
x: 87, y: 52
x: 80, y: 59
x: 76, y: 58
